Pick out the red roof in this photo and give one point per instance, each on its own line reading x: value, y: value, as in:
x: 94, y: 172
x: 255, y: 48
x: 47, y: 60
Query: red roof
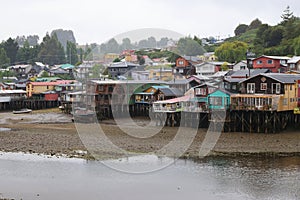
x: 52, y: 83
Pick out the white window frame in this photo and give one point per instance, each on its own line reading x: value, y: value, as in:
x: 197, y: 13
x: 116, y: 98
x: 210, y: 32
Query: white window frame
x: 250, y: 88
x: 278, y: 88
x: 263, y: 86
x: 180, y: 62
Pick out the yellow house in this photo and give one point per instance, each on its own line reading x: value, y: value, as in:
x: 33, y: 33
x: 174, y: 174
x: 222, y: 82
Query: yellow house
x: 209, y: 56
x: 40, y: 87
x: 109, y: 57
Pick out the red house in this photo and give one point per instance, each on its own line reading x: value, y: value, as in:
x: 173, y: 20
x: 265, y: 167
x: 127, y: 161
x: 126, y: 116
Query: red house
x: 185, y: 65
x: 277, y: 64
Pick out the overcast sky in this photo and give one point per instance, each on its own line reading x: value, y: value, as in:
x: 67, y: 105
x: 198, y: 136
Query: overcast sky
x: 97, y: 21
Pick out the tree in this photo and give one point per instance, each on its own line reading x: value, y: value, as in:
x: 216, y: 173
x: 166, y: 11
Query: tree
x: 31, y: 39
x: 224, y: 66
x: 27, y: 54
x: 112, y: 46
x: 51, y: 52
x: 151, y: 42
x: 254, y: 24
x: 4, y: 60
x: 45, y: 74
x: 11, y: 47
x: 296, y: 45
x: 275, y: 36
x: 117, y: 60
x: 287, y: 15
x: 80, y: 55
x: 141, y: 60
x: 197, y: 40
x: 232, y: 51
x: 143, y: 44
x: 126, y: 44
x: 240, y: 29
x: 189, y: 47
x: 162, y: 42
x: 72, y: 56
x: 96, y: 70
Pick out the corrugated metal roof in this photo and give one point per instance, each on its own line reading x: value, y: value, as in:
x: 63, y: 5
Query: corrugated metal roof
x: 123, y: 64
x: 245, y: 72
x: 274, y: 57
x: 179, y: 81
x: 283, y: 78
x: 294, y: 59
x: 192, y: 58
x: 12, y: 92
x: 171, y: 92
x: 52, y: 83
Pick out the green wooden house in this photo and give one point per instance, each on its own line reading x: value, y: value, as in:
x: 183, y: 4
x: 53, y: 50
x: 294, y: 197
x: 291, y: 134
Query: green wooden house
x: 219, y: 100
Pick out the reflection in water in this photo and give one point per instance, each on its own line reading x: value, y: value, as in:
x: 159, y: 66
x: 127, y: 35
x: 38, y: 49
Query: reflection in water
x: 5, y: 129
x: 34, y: 177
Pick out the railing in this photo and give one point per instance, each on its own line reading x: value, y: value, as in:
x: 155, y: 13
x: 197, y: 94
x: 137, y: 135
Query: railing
x: 252, y: 107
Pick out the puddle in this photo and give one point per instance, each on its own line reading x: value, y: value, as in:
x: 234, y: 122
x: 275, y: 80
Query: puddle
x: 5, y: 129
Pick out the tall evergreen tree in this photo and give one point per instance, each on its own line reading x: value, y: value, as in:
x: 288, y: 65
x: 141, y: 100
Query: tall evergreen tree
x: 72, y: 56
x: 11, y: 47
x: 51, y: 51
x: 4, y: 60
x: 287, y: 14
x: 27, y: 53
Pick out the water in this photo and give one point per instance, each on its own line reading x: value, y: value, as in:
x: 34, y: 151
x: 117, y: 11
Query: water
x: 4, y: 129
x: 39, y: 177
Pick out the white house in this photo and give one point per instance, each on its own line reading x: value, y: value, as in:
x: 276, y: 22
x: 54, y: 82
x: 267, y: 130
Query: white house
x: 240, y: 65
x: 205, y: 68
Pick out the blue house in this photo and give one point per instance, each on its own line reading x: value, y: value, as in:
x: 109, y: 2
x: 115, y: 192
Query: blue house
x: 219, y: 100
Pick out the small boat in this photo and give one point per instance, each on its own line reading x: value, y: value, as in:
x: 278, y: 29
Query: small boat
x: 22, y: 111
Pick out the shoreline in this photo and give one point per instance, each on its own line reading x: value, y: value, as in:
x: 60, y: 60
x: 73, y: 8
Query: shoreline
x: 53, y: 133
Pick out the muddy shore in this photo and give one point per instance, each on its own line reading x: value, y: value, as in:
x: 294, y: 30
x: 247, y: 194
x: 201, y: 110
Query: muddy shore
x: 53, y: 133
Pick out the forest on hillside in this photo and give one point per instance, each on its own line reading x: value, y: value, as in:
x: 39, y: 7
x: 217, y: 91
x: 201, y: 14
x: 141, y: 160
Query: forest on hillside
x: 282, y: 39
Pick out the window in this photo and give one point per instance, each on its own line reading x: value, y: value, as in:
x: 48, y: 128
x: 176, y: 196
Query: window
x: 282, y: 61
x: 270, y: 61
x: 100, y: 88
x: 243, y: 67
x: 285, y: 101
x: 216, y: 101
x: 180, y: 62
x: 200, y: 91
x: 263, y: 86
x: 259, y: 62
x: 110, y: 89
x: 277, y: 88
x: 292, y: 66
x: 250, y: 88
x: 291, y: 87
